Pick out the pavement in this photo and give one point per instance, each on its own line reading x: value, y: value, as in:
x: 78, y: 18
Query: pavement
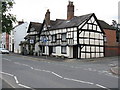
x: 115, y: 70
x: 114, y: 67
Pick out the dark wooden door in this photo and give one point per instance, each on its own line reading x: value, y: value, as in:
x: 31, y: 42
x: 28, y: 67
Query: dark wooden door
x: 75, y: 51
x: 50, y: 50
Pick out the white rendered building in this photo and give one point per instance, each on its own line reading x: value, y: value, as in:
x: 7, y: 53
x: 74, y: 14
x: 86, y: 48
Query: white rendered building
x: 20, y: 31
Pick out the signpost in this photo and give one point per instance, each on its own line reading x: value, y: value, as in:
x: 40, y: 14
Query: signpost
x: 44, y: 40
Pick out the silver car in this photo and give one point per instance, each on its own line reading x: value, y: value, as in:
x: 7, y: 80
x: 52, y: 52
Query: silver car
x: 4, y: 51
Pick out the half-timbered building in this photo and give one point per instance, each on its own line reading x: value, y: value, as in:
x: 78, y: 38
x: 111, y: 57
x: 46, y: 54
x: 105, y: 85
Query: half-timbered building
x: 30, y: 45
x: 76, y: 37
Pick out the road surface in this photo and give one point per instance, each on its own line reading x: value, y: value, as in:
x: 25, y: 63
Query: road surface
x: 29, y: 72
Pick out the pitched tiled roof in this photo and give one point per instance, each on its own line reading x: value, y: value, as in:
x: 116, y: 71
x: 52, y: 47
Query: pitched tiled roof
x: 34, y: 25
x: 75, y: 21
x: 105, y: 25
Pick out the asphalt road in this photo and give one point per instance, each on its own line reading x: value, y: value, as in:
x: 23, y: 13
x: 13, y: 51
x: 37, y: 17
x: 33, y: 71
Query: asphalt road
x: 28, y: 72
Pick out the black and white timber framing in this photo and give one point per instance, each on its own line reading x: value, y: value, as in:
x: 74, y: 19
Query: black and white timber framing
x: 79, y: 37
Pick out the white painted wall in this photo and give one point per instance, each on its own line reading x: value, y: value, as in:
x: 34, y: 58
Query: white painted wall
x: 37, y: 47
x: 46, y: 50
x: 11, y: 40
x: 75, y: 37
x: 19, y: 33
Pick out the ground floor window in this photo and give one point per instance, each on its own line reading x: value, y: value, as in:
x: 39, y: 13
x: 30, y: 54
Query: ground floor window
x: 63, y: 50
x: 54, y: 49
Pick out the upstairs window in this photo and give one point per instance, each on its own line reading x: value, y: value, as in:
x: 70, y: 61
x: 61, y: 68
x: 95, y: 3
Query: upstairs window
x: 64, y: 37
x: 54, y: 38
x: 63, y: 50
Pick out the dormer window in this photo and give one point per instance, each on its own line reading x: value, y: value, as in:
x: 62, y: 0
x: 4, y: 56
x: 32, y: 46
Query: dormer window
x: 54, y: 38
x: 32, y: 29
x: 44, y: 28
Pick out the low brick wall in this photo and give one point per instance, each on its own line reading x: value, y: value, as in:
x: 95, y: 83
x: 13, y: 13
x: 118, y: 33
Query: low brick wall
x: 112, y: 51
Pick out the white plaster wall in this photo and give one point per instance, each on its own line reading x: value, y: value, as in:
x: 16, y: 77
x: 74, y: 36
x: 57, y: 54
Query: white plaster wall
x: 37, y: 47
x: 46, y: 50
x: 19, y: 33
x: 79, y: 52
x: 70, y: 52
x: 11, y: 40
x: 58, y: 50
x: 75, y: 37
x: 82, y: 55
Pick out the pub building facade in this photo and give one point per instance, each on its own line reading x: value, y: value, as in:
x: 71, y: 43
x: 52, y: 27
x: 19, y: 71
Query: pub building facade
x: 76, y: 37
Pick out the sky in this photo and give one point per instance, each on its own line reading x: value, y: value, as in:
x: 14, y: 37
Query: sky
x: 119, y: 13
x: 34, y: 10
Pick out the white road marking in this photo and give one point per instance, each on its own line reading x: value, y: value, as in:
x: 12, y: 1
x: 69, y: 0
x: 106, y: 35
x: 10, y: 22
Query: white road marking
x: 57, y: 75
x: 37, y: 69
x: 8, y: 83
x: 79, y: 81
x: 7, y: 59
x: 26, y: 65
x: 24, y: 86
x: 17, y: 63
x: 102, y: 86
x: 7, y: 74
x: 31, y: 67
x: 46, y: 71
x: 16, y: 79
x: 94, y: 70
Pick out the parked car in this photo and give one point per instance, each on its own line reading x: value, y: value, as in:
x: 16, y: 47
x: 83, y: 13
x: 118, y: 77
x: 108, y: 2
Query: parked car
x: 4, y: 51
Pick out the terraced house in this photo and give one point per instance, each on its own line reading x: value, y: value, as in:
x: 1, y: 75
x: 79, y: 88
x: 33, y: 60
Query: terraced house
x: 75, y: 37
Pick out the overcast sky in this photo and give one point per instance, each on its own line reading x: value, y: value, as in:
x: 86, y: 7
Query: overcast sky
x: 34, y: 10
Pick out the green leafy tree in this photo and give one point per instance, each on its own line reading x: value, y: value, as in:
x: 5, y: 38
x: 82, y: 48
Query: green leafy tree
x: 7, y: 18
x: 117, y: 27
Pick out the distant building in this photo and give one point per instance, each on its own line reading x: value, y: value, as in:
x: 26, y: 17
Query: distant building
x: 11, y: 41
x: 111, y: 42
x: 20, y: 31
x: 31, y: 44
x: 5, y: 40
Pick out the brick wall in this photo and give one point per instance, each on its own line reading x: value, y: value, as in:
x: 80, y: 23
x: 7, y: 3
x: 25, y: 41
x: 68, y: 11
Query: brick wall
x: 112, y: 51
x: 112, y: 48
x: 7, y: 41
x: 110, y: 37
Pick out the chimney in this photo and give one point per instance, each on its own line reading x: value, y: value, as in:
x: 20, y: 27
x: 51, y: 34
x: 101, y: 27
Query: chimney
x: 70, y: 10
x: 47, y: 17
x: 20, y: 22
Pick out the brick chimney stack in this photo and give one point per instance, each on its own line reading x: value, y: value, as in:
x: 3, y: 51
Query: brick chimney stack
x: 47, y: 17
x: 20, y: 22
x: 70, y: 10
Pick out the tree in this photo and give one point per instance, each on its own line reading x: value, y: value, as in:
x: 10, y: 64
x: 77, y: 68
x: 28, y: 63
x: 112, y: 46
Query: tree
x: 117, y: 27
x: 7, y: 18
